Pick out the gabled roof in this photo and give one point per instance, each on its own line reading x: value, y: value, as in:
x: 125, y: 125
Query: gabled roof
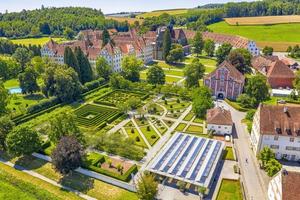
x: 261, y: 62
x: 290, y: 185
x: 279, y: 70
x: 279, y: 120
x: 219, y: 116
x: 289, y: 61
x: 233, y: 72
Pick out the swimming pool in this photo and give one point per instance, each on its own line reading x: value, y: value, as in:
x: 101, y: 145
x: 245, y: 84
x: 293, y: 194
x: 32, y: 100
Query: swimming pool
x: 15, y: 90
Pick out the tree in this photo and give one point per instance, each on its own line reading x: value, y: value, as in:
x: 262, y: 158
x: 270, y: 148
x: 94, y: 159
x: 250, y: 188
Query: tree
x: 71, y: 60
x: 156, y: 75
x: 22, y: 56
x: 86, y: 72
x: 209, y: 47
x: 38, y: 64
x: 202, y: 101
x: 222, y: 52
x: 69, y: 33
x: 103, y: 69
x: 236, y: 58
x: 201, y: 190
x: 28, y: 81
x: 176, y: 54
x: 64, y: 125
x: 296, y: 82
x: 167, y: 42
x: 193, y: 73
x: 273, y: 167
x: 265, y: 155
x: 147, y: 187
x: 4, y: 99
x: 131, y: 68
x: 23, y: 141
x: 257, y: 88
x: 105, y: 37
x: 246, y: 101
x: 198, y: 43
x: 133, y: 103
x: 6, y: 126
x: 268, y: 51
x: 67, y: 156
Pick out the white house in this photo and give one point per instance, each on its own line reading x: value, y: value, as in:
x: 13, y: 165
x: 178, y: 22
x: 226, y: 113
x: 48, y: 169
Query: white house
x: 284, y: 186
x: 219, y: 120
x: 277, y: 127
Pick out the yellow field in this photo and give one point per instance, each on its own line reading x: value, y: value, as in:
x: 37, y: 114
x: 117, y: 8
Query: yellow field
x: 36, y: 41
x: 277, y: 46
x: 123, y: 19
x: 160, y: 12
x: 265, y: 20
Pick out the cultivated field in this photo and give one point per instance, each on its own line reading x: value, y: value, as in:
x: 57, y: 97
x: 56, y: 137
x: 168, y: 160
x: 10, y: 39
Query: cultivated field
x: 160, y: 12
x: 278, y: 36
x: 36, y: 41
x: 123, y: 19
x: 265, y: 20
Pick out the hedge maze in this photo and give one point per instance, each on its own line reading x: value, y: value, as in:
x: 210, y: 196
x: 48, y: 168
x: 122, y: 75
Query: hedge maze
x: 95, y: 116
x: 116, y: 97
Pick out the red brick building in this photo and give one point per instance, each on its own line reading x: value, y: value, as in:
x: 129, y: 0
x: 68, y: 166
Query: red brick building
x: 225, y: 81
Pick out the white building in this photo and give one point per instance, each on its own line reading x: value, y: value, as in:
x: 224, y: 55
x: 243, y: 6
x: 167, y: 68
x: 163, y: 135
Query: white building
x: 284, y: 186
x: 277, y: 127
x: 219, y: 120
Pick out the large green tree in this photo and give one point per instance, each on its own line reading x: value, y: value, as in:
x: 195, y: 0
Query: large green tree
x: 222, y: 52
x: 86, y: 72
x: 131, y: 67
x: 176, y: 54
x: 22, y: 56
x: 193, y: 73
x: 268, y: 51
x: 6, y: 126
x: 103, y: 69
x: 198, y: 43
x: 156, y: 75
x: 67, y: 156
x: 64, y: 125
x: 105, y: 37
x: 4, y: 99
x: 147, y: 187
x: 71, y: 60
x: 257, y: 88
x: 28, y: 81
x: 237, y: 59
x: 23, y: 141
x: 265, y: 155
x: 167, y: 42
x: 209, y: 47
x: 202, y: 101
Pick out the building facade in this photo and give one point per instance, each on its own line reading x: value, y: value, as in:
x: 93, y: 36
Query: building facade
x: 225, y: 81
x: 277, y: 127
x: 219, y: 121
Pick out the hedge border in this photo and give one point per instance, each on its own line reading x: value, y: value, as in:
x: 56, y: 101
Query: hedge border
x: 237, y: 107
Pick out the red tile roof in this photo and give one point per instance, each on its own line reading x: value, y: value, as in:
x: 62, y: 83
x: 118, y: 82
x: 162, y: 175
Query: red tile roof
x: 280, y: 75
x: 279, y: 120
x: 290, y: 185
x: 261, y: 62
x: 219, y: 116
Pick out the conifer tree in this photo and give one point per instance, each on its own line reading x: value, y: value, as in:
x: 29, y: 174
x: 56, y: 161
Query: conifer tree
x: 167, y: 42
x: 71, y: 61
x: 105, y: 37
x: 85, y: 69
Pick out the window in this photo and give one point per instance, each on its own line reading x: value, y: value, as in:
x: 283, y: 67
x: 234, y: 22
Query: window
x: 274, y: 146
x: 276, y: 137
x: 219, y: 127
x: 292, y: 139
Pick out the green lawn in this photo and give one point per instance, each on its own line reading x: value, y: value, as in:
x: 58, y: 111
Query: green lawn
x: 195, y: 129
x: 198, y: 120
x: 174, y: 72
x: 263, y: 34
x: 230, y: 190
x: 12, y: 83
x: 140, y: 142
x: 82, y: 183
x: 228, y: 154
x: 151, y: 135
x: 180, y: 127
x: 163, y: 64
x: 170, y: 79
x: 189, y: 116
x: 36, y: 41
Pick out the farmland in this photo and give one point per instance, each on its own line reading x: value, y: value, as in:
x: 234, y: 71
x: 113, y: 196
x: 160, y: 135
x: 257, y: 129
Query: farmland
x: 270, y: 35
x: 128, y: 19
x: 160, y: 12
x: 265, y: 20
x: 36, y: 41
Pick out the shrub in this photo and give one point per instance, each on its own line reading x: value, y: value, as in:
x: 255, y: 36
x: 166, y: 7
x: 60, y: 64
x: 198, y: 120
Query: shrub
x: 178, y: 101
x: 171, y: 106
x: 92, y: 85
x: 43, y: 104
x: 166, y: 102
x: 132, y: 130
x: 153, y: 136
x: 148, y: 128
x: 137, y: 139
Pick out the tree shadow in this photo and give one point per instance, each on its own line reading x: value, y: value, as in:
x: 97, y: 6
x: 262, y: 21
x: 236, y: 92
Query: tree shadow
x: 78, y: 182
x: 30, y: 162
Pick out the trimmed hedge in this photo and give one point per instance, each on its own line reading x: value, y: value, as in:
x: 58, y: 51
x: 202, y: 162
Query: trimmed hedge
x: 236, y: 106
x: 92, y: 85
x: 43, y: 104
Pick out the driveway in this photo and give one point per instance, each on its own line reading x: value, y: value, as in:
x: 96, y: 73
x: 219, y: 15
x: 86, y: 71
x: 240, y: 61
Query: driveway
x: 255, y: 184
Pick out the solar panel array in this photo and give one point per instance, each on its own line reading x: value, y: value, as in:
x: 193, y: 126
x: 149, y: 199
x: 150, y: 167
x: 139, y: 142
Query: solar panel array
x: 188, y: 158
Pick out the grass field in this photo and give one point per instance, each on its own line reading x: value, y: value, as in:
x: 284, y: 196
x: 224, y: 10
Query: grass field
x: 228, y: 154
x: 230, y: 190
x: 36, y: 41
x: 12, y: 83
x: 157, y: 13
x: 264, y: 20
x: 270, y: 35
x: 128, y: 19
x: 180, y: 127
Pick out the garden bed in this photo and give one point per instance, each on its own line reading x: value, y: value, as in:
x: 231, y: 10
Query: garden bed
x: 228, y: 154
x: 150, y: 134
x: 180, y: 127
x: 134, y: 134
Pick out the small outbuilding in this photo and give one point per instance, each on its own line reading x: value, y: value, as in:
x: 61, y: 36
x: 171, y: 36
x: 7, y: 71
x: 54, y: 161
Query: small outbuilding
x: 220, y: 121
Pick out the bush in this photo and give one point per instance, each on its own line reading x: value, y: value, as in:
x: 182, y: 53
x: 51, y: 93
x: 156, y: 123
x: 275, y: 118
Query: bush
x: 137, y: 139
x: 148, y: 128
x: 92, y: 85
x: 153, y: 136
x: 250, y: 115
x: 177, y: 101
x: 43, y: 104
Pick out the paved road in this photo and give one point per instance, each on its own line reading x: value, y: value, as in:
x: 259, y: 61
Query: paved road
x: 32, y: 173
x: 251, y: 177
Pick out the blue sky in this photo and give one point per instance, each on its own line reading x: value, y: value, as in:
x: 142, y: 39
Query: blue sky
x: 107, y: 6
